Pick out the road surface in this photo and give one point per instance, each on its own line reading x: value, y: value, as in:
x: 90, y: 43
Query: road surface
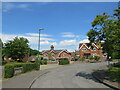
x: 71, y: 76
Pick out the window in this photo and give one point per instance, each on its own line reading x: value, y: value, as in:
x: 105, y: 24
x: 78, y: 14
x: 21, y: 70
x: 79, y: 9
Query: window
x: 84, y: 49
x: 52, y: 54
x: 93, y: 54
x: 64, y: 54
x: 94, y: 49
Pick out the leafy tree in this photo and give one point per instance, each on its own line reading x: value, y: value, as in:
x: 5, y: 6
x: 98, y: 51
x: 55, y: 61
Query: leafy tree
x: 39, y: 58
x: 107, y: 28
x: 16, y: 48
x: 33, y: 52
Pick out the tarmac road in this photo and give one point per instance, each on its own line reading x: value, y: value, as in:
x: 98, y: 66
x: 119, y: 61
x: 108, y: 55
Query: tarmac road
x: 71, y: 76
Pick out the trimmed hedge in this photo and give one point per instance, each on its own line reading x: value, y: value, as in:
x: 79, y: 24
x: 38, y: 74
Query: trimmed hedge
x: 9, y: 68
x: 9, y: 71
x: 64, y: 61
x: 3, y: 62
x: 43, y: 62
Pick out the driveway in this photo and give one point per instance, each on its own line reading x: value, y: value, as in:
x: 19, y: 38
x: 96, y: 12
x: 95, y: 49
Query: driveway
x: 71, y: 76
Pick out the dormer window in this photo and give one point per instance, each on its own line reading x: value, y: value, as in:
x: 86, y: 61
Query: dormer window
x: 83, y: 49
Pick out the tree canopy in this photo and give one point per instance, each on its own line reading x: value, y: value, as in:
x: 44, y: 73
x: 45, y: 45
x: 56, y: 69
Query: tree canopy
x: 16, y: 48
x: 107, y: 28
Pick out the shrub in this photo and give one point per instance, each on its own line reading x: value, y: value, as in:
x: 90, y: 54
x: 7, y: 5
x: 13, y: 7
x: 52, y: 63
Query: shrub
x: 29, y: 67
x: 90, y: 57
x: 4, y: 62
x: 37, y: 66
x: 39, y: 58
x: 43, y: 62
x: 64, y: 61
x: 9, y: 71
x: 96, y: 58
x: 81, y: 58
x: 9, y: 68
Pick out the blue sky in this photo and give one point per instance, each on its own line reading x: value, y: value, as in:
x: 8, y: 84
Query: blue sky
x: 65, y: 23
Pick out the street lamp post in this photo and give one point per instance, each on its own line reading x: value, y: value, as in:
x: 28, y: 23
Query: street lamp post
x: 109, y: 62
x: 39, y: 38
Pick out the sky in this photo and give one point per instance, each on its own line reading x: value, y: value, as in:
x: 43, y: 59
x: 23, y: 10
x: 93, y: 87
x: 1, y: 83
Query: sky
x: 65, y: 23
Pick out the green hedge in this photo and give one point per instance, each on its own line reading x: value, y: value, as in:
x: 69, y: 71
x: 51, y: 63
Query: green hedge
x: 3, y: 62
x: 43, y: 62
x: 9, y: 68
x: 64, y: 61
x: 9, y: 71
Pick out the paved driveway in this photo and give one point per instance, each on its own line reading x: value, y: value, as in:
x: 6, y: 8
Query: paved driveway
x: 71, y: 76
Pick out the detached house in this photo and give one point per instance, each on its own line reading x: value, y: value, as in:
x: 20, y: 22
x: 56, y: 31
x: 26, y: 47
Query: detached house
x: 56, y: 54
x: 86, y: 50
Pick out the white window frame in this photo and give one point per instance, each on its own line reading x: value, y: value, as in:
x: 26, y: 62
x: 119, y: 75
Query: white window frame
x: 84, y: 49
x: 64, y: 54
x: 53, y: 55
x: 94, y: 54
x: 93, y: 49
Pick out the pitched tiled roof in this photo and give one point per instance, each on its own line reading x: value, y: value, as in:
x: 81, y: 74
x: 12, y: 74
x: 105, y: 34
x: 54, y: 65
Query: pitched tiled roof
x: 87, y: 44
x: 55, y: 51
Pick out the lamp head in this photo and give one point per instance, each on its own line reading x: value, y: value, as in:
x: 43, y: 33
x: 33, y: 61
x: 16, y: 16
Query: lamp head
x: 41, y: 29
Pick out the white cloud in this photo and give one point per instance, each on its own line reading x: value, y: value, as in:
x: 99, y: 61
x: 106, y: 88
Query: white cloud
x: 85, y: 41
x: 32, y: 40
x: 70, y: 45
x: 9, y: 6
x: 69, y: 35
x: 36, y: 34
x: 68, y: 42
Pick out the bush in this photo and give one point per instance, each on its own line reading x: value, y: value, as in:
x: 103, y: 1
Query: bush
x: 43, y: 62
x: 81, y: 58
x: 4, y: 62
x: 9, y: 71
x: 9, y: 68
x: 90, y: 57
x: 29, y: 67
x: 39, y: 58
x: 37, y: 66
x: 64, y: 61
x: 96, y: 58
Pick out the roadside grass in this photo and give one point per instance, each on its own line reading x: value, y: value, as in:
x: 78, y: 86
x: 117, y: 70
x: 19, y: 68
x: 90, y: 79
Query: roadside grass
x: 114, y: 73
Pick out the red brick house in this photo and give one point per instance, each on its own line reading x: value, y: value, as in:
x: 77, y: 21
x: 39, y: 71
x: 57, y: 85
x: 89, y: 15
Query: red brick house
x: 56, y: 54
x: 86, y: 50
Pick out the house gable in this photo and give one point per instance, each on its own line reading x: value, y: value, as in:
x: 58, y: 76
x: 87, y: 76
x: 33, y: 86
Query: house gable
x: 63, y: 52
x: 84, y: 45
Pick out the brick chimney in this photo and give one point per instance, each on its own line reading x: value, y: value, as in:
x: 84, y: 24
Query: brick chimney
x: 52, y: 47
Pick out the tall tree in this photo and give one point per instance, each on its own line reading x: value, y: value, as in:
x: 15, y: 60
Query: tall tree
x: 33, y: 52
x: 17, y: 48
x: 107, y: 28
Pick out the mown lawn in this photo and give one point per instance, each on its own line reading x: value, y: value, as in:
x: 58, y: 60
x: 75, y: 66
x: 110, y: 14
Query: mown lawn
x: 114, y: 73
